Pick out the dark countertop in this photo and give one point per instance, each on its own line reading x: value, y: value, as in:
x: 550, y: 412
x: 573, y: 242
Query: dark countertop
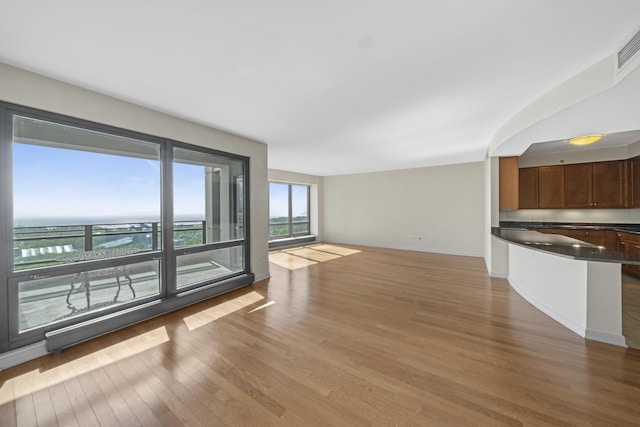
x: 629, y: 228
x: 560, y: 245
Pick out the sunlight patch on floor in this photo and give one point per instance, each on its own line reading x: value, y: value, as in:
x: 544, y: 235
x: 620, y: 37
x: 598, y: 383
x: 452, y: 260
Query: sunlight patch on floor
x: 214, y: 313
x: 305, y: 256
x: 32, y: 381
x: 263, y: 306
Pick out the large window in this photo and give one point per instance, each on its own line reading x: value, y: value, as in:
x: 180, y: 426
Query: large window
x: 205, y: 210
x: 96, y: 220
x: 288, y: 210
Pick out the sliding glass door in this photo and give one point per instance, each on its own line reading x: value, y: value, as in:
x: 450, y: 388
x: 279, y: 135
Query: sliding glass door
x: 209, y: 231
x: 97, y: 220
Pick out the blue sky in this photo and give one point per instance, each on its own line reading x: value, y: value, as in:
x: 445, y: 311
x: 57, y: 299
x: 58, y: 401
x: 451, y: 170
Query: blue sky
x: 279, y: 200
x: 59, y: 183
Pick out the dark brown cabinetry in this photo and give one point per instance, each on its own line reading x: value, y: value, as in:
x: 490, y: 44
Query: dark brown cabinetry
x: 538, y: 187
x: 629, y: 244
x: 634, y: 182
x: 595, y: 185
x: 609, y: 184
x: 508, y: 170
x: 578, y: 186
x: 550, y: 193
x: 528, y: 188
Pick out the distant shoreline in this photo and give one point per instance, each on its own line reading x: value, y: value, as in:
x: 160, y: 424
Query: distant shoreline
x: 43, y: 222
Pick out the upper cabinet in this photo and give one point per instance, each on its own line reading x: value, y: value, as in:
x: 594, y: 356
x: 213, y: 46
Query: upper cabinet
x: 580, y: 186
x: 550, y: 188
x: 609, y: 184
x: 508, y: 192
x: 634, y: 182
x: 539, y: 187
x: 595, y: 185
x: 528, y: 188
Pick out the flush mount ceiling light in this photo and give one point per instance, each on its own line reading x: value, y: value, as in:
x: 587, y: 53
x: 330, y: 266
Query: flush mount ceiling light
x: 585, y: 140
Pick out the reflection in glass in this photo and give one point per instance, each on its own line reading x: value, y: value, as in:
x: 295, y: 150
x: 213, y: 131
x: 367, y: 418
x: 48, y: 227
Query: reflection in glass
x: 207, y: 266
x: 208, y: 199
x: 80, y: 190
x: 46, y: 300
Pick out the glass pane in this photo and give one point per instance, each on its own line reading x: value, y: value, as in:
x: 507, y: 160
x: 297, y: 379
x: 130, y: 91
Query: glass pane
x: 278, y: 230
x: 208, y: 198
x: 207, y: 266
x: 279, y: 204
x: 299, y: 203
x: 77, y: 190
x: 301, y: 228
x: 47, y: 300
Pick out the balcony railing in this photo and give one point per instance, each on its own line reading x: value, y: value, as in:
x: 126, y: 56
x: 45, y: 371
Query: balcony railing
x: 44, y: 245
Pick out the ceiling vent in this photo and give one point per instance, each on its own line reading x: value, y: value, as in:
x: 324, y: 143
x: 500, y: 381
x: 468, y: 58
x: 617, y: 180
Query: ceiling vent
x: 629, y: 51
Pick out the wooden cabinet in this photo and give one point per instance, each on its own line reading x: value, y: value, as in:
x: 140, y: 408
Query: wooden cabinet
x: 634, y: 182
x: 541, y: 187
x: 550, y: 187
x: 528, y: 188
x: 595, y: 185
x: 580, y: 186
x: 629, y: 244
x: 508, y: 183
x: 577, y: 185
x: 609, y: 186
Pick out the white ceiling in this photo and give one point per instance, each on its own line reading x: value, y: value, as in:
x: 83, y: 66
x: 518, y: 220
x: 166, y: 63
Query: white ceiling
x: 331, y: 86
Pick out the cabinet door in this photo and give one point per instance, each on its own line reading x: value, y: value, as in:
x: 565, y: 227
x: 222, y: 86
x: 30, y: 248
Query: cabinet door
x: 508, y: 183
x: 608, y: 184
x: 551, y: 187
x: 577, y: 185
x: 528, y: 188
x: 629, y: 244
x: 634, y: 182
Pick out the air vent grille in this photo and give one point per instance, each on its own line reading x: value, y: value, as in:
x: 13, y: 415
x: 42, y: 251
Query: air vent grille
x: 629, y: 50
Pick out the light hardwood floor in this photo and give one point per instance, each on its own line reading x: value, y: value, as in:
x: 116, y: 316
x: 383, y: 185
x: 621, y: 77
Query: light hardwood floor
x: 339, y: 336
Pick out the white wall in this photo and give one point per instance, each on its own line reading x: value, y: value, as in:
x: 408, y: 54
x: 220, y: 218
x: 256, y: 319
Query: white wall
x: 436, y: 209
x: 315, y: 184
x: 584, y: 296
x: 33, y: 90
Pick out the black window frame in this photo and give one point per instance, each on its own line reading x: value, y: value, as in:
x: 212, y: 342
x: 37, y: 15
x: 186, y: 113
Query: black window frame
x: 291, y: 222
x: 67, y: 332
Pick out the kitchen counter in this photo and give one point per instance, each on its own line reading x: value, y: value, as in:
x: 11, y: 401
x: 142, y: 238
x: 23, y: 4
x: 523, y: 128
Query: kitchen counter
x: 576, y: 283
x: 628, y: 228
x: 562, y: 245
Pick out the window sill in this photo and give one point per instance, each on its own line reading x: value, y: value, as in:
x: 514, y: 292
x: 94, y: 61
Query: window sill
x: 291, y: 241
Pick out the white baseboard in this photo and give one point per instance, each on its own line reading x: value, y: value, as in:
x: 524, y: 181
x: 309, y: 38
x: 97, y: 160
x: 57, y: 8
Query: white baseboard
x: 24, y: 354
x: 607, y: 338
x: 499, y: 275
x: 263, y: 276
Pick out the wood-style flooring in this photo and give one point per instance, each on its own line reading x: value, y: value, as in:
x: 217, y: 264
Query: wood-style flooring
x: 339, y: 336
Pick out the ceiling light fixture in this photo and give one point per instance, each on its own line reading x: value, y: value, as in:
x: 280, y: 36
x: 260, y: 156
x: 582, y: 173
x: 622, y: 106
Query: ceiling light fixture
x: 585, y: 140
